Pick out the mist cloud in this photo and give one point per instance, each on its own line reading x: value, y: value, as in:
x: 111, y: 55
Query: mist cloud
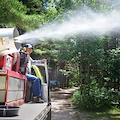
x: 79, y: 23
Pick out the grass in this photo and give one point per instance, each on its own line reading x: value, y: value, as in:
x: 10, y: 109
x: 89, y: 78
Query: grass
x: 113, y: 114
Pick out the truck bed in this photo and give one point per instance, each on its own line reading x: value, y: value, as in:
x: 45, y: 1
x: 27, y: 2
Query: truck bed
x: 31, y: 111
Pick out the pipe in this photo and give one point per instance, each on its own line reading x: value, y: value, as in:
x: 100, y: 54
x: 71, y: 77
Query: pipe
x: 7, y: 43
x: 9, y: 32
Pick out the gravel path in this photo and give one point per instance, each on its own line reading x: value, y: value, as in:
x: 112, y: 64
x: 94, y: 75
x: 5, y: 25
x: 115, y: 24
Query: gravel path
x: 61, y: 105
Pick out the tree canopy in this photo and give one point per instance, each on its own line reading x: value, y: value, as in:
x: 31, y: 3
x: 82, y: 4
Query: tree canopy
x: 25, y: 15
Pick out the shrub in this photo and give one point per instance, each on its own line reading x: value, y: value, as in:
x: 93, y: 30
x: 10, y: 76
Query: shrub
x: 92, y: 98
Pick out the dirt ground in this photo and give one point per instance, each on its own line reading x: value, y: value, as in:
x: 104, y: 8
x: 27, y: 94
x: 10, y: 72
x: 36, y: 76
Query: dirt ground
x: 62, y: 106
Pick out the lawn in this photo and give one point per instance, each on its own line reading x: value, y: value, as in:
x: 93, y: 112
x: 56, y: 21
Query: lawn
x: 113, y: 114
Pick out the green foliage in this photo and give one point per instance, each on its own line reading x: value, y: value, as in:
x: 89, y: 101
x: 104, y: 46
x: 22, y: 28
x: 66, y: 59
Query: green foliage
x: 112, y: 74
x: 30, y: 14
x: 98, y: 6
x: 39, y: 52
x: 113, y: 65
x: 34, y: 6
x: 64, y: 5
x: 49, y: 50
x: 94, y: 99
x: 17, y: 15
x: 93, y: 71
x: 9, y: 9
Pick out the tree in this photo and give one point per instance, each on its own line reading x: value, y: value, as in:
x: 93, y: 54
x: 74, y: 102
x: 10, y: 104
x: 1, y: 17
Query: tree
x: 17, y: 15
x: 34, y: 6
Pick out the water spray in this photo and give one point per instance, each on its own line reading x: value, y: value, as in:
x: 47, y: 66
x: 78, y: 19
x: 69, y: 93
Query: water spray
x: 80, y: 23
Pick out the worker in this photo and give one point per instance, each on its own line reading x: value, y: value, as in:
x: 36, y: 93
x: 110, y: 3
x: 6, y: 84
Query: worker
x: 36, y: 82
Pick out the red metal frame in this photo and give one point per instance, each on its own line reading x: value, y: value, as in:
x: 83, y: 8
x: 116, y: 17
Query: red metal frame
x: 12, y: 71
x: 16, y: 75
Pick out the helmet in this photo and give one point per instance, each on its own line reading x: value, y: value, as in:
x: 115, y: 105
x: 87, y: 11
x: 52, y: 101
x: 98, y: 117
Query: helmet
x: 27, y: 46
